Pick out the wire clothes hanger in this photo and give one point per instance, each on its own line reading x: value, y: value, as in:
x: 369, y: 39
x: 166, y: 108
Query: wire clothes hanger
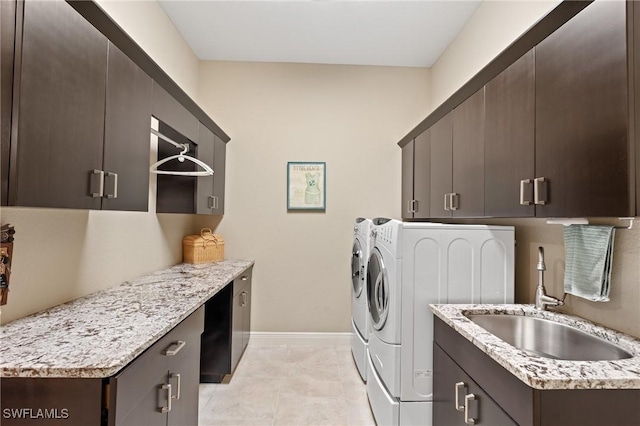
x: 208, y: 171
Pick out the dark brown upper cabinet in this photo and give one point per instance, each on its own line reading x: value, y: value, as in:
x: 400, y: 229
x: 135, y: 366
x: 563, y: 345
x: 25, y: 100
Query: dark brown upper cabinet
x: 126, y: 135
x: 582, y: 149
x: 407, y: 180
x: 188, y: 194
x: 58, y: 121
x: 210, y: 189
x: 168, y: 110
x: 441, y: 167
x: 467, y: 197
x: 416, y: 177
x: 7, y: 48
x: 81, y: 116
x: 509, y: 146
x: 636, y: 95
x: 219, y: 167
x: 554, y: 135
x: 205, y: 201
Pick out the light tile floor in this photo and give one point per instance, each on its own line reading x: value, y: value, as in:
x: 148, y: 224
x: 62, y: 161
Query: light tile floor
x: 289, y: 385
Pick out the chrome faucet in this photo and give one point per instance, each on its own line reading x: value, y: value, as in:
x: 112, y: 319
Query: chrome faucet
x: 542, y: 299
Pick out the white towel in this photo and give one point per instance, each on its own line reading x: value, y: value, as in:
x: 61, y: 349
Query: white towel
x: 588, y: 256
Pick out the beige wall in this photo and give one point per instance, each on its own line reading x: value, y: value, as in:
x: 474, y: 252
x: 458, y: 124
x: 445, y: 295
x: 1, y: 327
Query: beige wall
x: 63, y: 254
x: 493, y: 26
x: 348, y: 116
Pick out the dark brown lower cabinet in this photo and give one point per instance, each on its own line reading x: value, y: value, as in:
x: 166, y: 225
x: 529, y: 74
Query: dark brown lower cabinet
x: 241, y: 320
x: 462, y: 400
x: 500, y: 398
x: 160, y: 387
x: 226, y: 330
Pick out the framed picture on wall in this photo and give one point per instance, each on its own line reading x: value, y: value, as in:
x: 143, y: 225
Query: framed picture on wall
x: 306, y: 185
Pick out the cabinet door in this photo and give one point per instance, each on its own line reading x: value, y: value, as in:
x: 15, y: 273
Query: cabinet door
x: 581, y: 114
x: 126, y: 134
x: 146, y: 411
x: 246, y: 315
x: 510, y: 140
x: 7, y: 39
x: 468, y: 157
x: 219, y: 167
x: 237, y: 316
x: 184, y: 373
x: 407, y: 180
x: 636, y: 95
x: 204, y: 193
x: 61, y: 109
x: 445, y: 376
x: 441, y: 165
x: 422, y: 175
x: 482, y: 409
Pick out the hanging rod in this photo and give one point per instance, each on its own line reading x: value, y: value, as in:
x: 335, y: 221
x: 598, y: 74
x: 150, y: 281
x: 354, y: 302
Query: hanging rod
x: 183, y: 146
x: 630, y: 219
x: 585, y: 221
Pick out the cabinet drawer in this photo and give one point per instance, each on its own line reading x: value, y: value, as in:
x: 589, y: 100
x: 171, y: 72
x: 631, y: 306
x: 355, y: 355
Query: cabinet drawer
x: 503, y: 387
x: 150, y: 369
x: 242, y: 281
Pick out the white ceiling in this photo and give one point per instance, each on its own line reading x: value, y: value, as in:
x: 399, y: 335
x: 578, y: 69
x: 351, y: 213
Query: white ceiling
x: 409, y: 33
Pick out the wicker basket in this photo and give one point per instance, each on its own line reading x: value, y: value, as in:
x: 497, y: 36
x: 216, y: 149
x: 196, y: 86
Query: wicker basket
x: 203, y: 248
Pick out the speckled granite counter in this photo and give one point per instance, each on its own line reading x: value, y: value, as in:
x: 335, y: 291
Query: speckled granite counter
x: 546, y: 373
x: 97, y: 335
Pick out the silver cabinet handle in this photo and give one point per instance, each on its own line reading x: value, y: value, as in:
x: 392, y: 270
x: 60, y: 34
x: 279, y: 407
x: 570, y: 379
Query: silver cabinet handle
x: 178, y: 385
x: 523, y: 184
x: 216, y: 201
x: 468, y: 398
x: 175, y: 348
x: 114, y: 194
x: 446, y: 205
x: 243, y: 299
x: 100, y: 175
x: 540, y: 191
x: 161, y: 407
x: 412, y: 206
x: 453, y: 203
x: 211, y: 202
x: 459, y: 385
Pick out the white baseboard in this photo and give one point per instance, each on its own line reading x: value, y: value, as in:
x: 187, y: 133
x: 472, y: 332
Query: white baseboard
x: 262, y: 338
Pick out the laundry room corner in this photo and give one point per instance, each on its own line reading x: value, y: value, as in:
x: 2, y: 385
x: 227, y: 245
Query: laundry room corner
x: 279, y: 113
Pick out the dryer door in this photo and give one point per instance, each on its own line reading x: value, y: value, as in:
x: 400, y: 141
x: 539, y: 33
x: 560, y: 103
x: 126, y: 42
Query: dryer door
x: 357, y: 269
x: 377, y: 290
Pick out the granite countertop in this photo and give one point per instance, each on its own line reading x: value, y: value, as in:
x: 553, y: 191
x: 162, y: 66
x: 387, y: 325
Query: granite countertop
x: 545, y: 373
x: 99, y: 334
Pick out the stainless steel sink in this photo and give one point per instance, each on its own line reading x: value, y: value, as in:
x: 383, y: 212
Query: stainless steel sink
x: 549, y: 339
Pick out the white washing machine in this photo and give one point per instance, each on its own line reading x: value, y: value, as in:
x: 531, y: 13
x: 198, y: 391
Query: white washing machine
x: 412, y: 265
x: 359, y: 310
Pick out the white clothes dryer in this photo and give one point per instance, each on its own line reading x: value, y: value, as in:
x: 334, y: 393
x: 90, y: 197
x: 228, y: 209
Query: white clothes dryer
x: 359, y: 312
x: 436, y: 263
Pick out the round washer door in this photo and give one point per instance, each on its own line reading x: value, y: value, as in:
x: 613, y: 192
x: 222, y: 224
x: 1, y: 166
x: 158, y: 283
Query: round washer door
x: 377, y: 290
x: 357, y: 269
